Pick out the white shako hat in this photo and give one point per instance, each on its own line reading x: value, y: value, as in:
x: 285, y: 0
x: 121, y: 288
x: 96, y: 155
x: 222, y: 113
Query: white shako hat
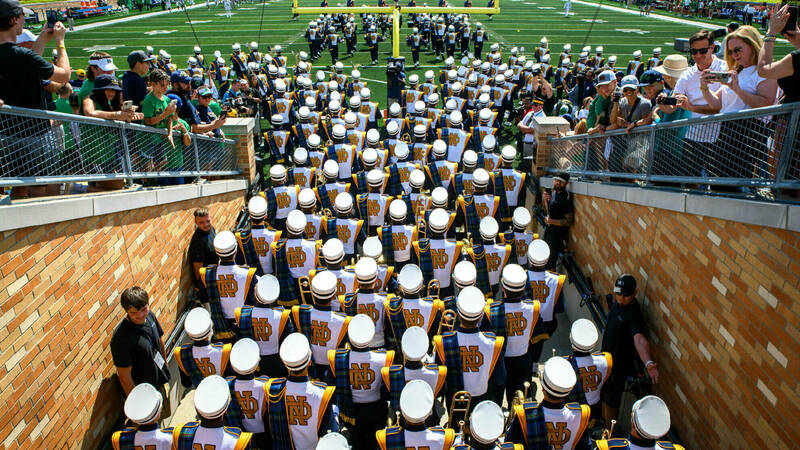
x: 438, y: 220
x: 360, y: 331
x: 488, y: 228
x: 225, y: 244
x: 489, y: 142
x: 508, y: 154
x: 401, y: 150
x: 332, y: 441
x: 375, y: 178
x: 455, y: 118
x: 277, y: 172
x: 296, y: 222
x: 558, y: 377
x: 212, y: 397
x: 366, y: 271
x: 538, y: 253
x: 373, y: 136
x: 485, y: 115
x: 295, y: 352
x: 410, y: 279
x: 470, y: 158
x: 486, y: 422
x: 470, y: 303
x: 514, y: 278
x: 521, y: 217
x: 339, y: 131
x: 439, y: 148
x: 416, y: 401
x: 314, y: 140
x: 414, y: 343
x: 245, y: 356
x: 419, y: 106
x: 480, y: 177
x: 323, y: 285
x: 394, y: 110
x: 311, y: 104
x: 398, y: 210
x: 584, y: 335
x: 392, y: 128
x: 420, y: 130
x: 257, y: 207
x: 198, y: 324
x: 464, y: 274
x: 350, y: 118
x: 439, y: 197
x: 330, y: 169
x: 304, y: 111
x: 415, y: 179
x: 143, y: 404
x: 343, y: 203
x: 333, y: 251
x: 306, y: 198
x: 372, y: 247
x: 650, y: 416
x: 300, y: 155
x: 355, y: 101
x: 267, y: 289
x: 369, y: 156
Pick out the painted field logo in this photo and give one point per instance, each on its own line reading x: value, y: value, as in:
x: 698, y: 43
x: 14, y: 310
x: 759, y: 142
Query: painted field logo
x: 156, y: 32
x: 101, y: 48
x: 631, y: 30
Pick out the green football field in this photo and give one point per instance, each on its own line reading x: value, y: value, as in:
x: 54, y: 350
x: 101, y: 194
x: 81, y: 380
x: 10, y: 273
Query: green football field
x: 521, y: 23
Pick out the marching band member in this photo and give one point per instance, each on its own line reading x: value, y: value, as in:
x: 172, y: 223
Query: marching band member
x: 281, y: 197
x: 486, y: 425
x: 331, y: 187
x: 143, y: 408
x: 566, y: 423
x: 473, y: 208
x: 248, y: 392
x: 253, y: 249
x: 365, y: 300
x: 489, y: 258
x: 592, y: 369
x: 333, y: 257
x: 416, y: 405
x: 302, y: 174
x: 344, y: 227
x: 201, y: 358
x: 373, y: 206
x: 307, y: 201
x: 545, y: 287
x: 294, y: 257
x: 411, y: 308
x: 519, y: 236
x: 386, y: 281
x: 650, y: 421
x: 397, y: 236
x: 436, y: 255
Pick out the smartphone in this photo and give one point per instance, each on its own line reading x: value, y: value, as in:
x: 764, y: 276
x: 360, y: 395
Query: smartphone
x: 791, y: 24
x: 670, y: 101
x: 52, y: 18
x: 173, y: 102
x: 721, y: 77
x: 127, y: 105
x: 617, y: 95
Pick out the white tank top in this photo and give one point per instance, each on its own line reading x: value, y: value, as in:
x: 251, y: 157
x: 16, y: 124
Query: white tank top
x: 365, y: 374
x: 522, y: 240
x: 251, y: 397
x: 402, y: 237
x: 420, y: 312
x: 420, y: 203
x: 444, y: 255
x: 485, y: 205
x: 545, y: 287
x: 478, y: 355
x: 427, y: 439
x: 521, y: 317
x: 262, y: 238
x: 497, y: 256
x: 512, y: 182
x: 347, y: 231
x: 491, y: 161
x: 356, y: 139
x: 404, y: 169
x: 313, y: 226
x: 153, y: 440
x: 216, y: 438
x: 371, y: 304
x: 232, y: 284
x: 305, y: 406
x: 445, y: 169
x: 593, y: 371
x: 286, y: 200
x: 457, y: 141
x: 327, y: 330
x: 564, y: 426
x: 301, y: 256
x: 430, y: 373
x: 303, y: 177
x: 377, y: 204
x: 345, y: 155
x: 267, y: 329
x: 208, y: 359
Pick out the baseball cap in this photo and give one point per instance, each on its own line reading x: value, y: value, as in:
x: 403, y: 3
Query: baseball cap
x: 605, y: 77
x: 202, y: 92
x: 10, y: 8
x: 137, y: 56
x: 179, y: 77
x: 80, y: 73
x: 26, y: 36
x: 649, y: 77
x: 629, y: 81
x: 625, y: 285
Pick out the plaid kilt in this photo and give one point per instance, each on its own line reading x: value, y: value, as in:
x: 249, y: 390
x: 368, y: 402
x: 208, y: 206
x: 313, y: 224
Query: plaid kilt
x: 304, y: 317
x: 187, y: 360
x: 497, y: 318
x: 452, y: 359
x: 397, y: 320
x: 350, y: 305
x: 247, y: 251
x: 395, y: 438
x: 473, y: 221
x: 330, y: 227
x: 246, y: 322
x: 534, y: 424
x: 411, y: 214
x: 125, y: 438
x: 388, y: 244
x: 276, y: 414
x: 425, y: 262
x: 360, y: 180
x: 344, y: 396
x: 397, y: 381
x: 500, y: 191
x: 183, y: 436
x: 286, y: 281
x: 433, y: 171
x: 277, y: 155
x: 299, y: 137
x: 233, y: 415
x: 508, y: 237
x: 395, y: 184
x: 272, y: 204
x: 479, y: 258
x: 361, y: 202
x: 577, y: 395
x: 221, y: 328
x: 324, y: 200
x: 458, y: 182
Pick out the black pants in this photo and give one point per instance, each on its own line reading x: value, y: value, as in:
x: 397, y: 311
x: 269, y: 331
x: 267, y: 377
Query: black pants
x: 451, y: 49
x: 478, y: 50
x: 415, y: 55
x: 464, y: 46
x: 518, y: 371
x: 373, y: 52
x: 369, y: 418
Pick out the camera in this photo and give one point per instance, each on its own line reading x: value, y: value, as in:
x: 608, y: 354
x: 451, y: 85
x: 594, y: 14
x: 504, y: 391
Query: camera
x: 52, y: 18
x: 617, y: 95
x: 669, y: 101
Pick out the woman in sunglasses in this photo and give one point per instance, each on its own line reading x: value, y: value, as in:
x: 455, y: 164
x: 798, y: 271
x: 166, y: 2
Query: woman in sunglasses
x: 741, y: 141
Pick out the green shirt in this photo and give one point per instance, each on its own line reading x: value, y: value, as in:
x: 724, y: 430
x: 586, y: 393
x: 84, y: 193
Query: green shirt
x: 63, y: 106
x: 214, y: 106
x: 599, y: 112
x: 86, y: 90
x: 153, y: 107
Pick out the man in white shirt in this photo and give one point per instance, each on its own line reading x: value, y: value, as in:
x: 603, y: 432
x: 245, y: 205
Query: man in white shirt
x: 699, y: 138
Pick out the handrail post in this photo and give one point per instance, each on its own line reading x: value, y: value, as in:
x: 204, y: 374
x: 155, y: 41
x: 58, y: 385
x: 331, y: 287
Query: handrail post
x: 651, y: 153
x: 127, y: 167
x: 787, y: 150
x: 196, y: 159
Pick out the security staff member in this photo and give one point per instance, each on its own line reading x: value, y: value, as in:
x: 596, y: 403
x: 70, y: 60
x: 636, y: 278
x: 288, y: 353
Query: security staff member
x: 624, y: 338
x: 560, y: 211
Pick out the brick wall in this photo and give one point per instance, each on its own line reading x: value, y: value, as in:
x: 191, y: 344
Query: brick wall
x: 722, y: 300
x: 59, y: 303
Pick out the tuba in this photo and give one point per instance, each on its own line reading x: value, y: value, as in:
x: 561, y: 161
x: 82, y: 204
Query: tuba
x: 305, y: 290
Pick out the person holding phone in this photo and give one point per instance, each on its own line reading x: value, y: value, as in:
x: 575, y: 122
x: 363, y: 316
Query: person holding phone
x: 787, y: 70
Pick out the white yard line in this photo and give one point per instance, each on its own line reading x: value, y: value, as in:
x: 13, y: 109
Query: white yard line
x: 92, y: 26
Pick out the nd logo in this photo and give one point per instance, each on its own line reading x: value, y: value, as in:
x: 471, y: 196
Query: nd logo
x: 373, y: 208
x: 369, y: 310
x: 353, y: 138
x: 332, y: 193
x: 361, y: 376
x: 205, y: 366
x: 404, y: 173
x: 247, y: 403
x: 515, y: 324
x: 342, y: 155
x: 439, y: 258
x: 343, y: 231
x: 590, y: 377
x: 298, y: 410
x: 444, y: 172
x: 300, y: 179
x: 283, y: 199
x: 468, y: 189
x: 471, y: 358
x: 261, y: 245
x: 413, y: 318
x: 227, y: 286
x: 320, y: 333
x: 493, y: 261
x: 399, y: 240
x: 509, y: 182
x: 557, y: 434
x: 311, y: 230
x: 365, y: 109
x: 295, y: 256
x: 481, y: 209
x: 262, y: 330
x: 540, y: 290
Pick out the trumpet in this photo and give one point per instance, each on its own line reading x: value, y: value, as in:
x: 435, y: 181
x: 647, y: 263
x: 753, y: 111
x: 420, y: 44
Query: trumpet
x: 607, y: 433
x: 459, y: 404
x: 433, y: 288
x: 448, y: 321
x: 327, y: 213
x: 406, y: 137
x: 421, y: 227
x: 520, y: 397
x: 305, y: 290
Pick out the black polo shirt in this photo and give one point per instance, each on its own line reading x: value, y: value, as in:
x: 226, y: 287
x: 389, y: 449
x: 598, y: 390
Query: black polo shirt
x: 201, y: 247
x: 624, y: 322
x: 135, y: 346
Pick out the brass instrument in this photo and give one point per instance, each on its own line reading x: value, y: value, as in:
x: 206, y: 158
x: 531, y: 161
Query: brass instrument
x: 406, y: 137
x: 422, y: 228
x: 395, y: 422
x: 607, y: 433
x: 305, y: 290
x: 329, y: 143
x: 520, y: 397
x: 327, y: 213
x: 448, y: 321
x: 459, y: 404
x: 433, y: 288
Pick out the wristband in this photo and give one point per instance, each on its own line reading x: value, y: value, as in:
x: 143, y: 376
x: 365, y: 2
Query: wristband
x: 649, y: 363
x: 61, y: 46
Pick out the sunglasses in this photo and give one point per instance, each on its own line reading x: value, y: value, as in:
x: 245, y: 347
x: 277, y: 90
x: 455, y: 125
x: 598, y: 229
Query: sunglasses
x: 736, y: 50
x: 701, y: 51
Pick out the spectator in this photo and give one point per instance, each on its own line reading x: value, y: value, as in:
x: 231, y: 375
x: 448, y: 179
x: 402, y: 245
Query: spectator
x: 182, y: 88
x: 624, y: 338
x: 560, y: 210
x: 235, y: 97
x: 396, y: 81
x: 100, y: 63
x: 105, y: 101
x: 134, y: 88
x: 201, y: 249
x: 63, y: 103
x: 136, y: 345
x: 584, y: 111
x: 589, y: 90
x: 657, y: 88
x: 732, y: 27
x: 599, y: 118
x: 699, y: 138
x: 26, y: 144
x: 210, y: 121
x: 787, y: 70
x: 80, y: 76
x: 632, y: 110
x: 742, y: 141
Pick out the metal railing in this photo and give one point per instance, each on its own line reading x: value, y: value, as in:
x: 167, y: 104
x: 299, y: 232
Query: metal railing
x: 44, y: 147
x: 755, y: 148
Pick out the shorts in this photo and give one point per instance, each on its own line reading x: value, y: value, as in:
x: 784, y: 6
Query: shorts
x: 29, y: 156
